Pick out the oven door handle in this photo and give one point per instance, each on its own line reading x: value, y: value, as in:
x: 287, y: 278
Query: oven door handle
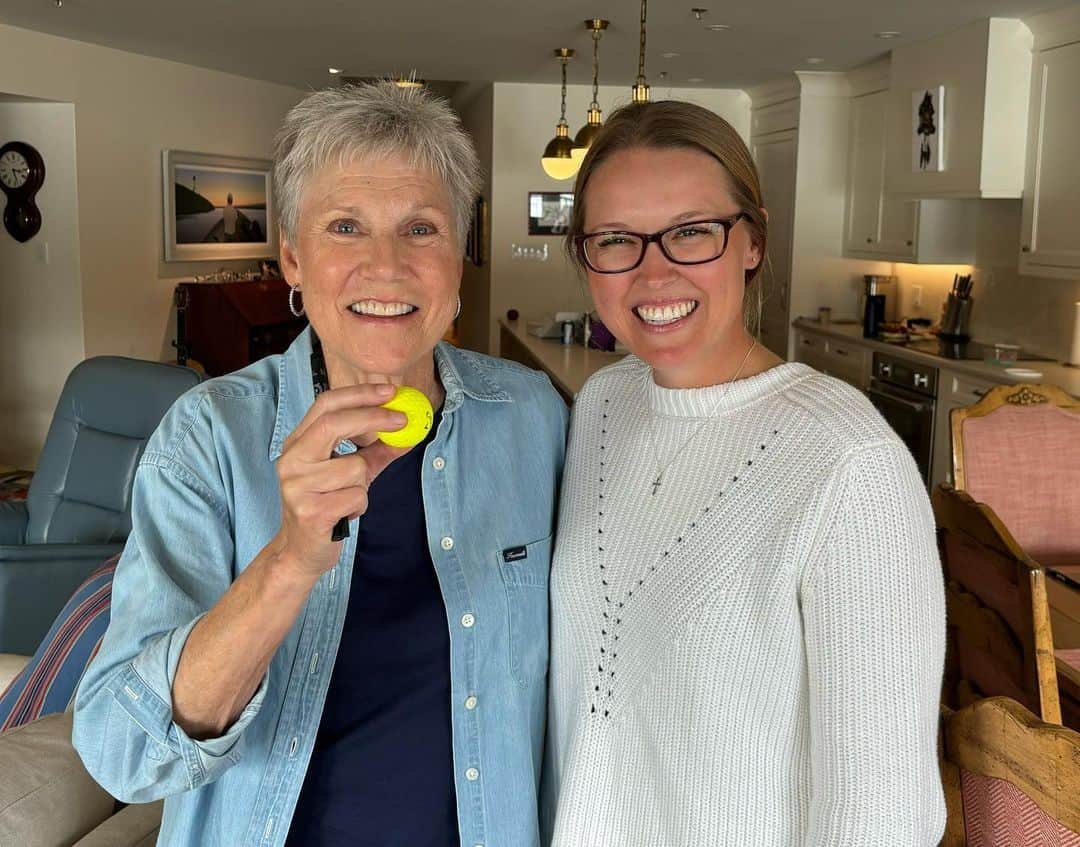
x: 892, y: 398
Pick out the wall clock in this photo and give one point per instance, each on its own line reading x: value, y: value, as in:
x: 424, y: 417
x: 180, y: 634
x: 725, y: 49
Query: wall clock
x: 22, y: 173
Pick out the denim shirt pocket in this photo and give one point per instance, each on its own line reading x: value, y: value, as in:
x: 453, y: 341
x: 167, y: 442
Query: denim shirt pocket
x: 525, y: 569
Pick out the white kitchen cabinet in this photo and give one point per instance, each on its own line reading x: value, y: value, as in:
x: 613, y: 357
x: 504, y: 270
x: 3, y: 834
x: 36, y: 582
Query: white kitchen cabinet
x: 955, y: 390
x: 1050, y: 240
x: 847, y: 360
x: 775, y: 154
x: 985, y: 69
x: 890, y: 227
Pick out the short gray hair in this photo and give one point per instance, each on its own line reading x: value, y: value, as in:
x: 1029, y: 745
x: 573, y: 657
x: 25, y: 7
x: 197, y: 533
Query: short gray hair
x: 374, y: 120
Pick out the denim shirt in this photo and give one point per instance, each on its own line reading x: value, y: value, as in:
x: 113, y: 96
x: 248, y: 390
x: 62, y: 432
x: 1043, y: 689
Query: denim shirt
x: 206, y: 501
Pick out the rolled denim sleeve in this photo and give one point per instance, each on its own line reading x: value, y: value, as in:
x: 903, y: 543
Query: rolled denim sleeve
x: 178, y: 561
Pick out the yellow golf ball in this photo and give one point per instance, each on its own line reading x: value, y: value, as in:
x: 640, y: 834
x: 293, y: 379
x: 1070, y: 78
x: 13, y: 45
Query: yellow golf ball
x: 417, y: 409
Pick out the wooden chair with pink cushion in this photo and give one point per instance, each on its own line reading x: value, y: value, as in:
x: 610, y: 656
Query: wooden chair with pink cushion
x: 1010, y: 779
x: 1018, y: 451
x: 1000, y: 641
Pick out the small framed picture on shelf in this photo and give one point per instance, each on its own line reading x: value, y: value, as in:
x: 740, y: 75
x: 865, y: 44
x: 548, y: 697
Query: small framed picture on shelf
x: 927, y: 115
x: 217, y: 207
x: 549, y: 212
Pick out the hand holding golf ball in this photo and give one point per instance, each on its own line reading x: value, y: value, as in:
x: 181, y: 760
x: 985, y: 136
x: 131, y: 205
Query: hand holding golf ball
x: 417, y: 408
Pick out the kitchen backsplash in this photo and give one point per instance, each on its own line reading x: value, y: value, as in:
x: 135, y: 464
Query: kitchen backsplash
x: 1034, y: 312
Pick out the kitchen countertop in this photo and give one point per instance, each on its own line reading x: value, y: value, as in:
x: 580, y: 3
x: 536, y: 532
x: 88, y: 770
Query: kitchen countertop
x: 1053, y: 373
x: 568, y: 365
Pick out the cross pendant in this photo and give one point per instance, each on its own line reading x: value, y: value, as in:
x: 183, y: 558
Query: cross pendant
x: 656, y: 485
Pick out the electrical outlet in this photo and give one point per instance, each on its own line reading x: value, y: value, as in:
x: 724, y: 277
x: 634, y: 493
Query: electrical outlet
x: 916, y: 296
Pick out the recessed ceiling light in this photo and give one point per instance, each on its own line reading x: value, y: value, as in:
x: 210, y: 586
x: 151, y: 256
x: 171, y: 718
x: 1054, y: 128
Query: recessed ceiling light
x: 888, y: 34
x: 670, y: 55
x: 336, y: 70
x: 718, y: 27
x: 696, y: 79
x: 814, y: 60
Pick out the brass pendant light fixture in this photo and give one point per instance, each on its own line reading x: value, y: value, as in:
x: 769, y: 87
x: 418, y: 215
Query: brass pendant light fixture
x: 640, y: 91
x: 587, y: 133
x: 557, y: 161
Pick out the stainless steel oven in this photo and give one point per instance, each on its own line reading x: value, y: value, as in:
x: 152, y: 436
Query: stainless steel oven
x: 905, y: 393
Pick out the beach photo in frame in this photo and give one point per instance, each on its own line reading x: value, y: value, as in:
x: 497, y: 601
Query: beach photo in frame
x: 549, y: 212
x: 217, y: 207
x: 927, y: 115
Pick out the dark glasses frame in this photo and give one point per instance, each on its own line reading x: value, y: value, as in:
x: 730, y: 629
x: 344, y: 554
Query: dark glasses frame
x: 657, y: 237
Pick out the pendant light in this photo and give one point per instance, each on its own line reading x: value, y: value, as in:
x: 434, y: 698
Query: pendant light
x: 557, y: 160
x: 587, y: 133
x: 640, y: 90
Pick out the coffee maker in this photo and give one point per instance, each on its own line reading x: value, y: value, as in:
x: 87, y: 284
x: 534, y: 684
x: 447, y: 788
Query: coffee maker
x: 877, y: 302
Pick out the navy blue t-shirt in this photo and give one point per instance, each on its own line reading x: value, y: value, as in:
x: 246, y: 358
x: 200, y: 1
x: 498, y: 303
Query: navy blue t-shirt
x: 382, y: 768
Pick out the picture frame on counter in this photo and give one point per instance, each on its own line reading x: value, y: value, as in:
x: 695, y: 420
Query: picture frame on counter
x: 217, y: 207
x: 927, y: 114
x: 549, y: 212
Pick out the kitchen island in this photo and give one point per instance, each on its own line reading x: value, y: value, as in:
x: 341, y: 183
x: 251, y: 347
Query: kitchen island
x: 567, y: 365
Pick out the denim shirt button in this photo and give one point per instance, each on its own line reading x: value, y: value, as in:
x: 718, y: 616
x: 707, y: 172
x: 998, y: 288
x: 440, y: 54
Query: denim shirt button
x: 438, y: 463
x: 467, y: 620
x: 470, y: 702
x: 447, y: 543
x: 472, y: 774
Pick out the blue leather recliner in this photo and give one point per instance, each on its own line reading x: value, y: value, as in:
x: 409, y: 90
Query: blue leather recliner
x: 78, y: 510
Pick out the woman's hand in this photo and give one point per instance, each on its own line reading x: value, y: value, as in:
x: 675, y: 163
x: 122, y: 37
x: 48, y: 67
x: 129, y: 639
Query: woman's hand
x: 317, y: 490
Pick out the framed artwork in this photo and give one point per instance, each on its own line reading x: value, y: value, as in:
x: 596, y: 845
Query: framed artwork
x: 217, y: 207
x: 549, y: 212
x: 927, y: 112
x: 477, y: 237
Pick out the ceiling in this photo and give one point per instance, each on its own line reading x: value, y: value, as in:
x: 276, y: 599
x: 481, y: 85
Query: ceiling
x: 505, y: 40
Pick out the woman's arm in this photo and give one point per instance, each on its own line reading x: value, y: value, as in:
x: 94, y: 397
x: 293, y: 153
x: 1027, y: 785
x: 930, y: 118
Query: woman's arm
x: 874, y: 622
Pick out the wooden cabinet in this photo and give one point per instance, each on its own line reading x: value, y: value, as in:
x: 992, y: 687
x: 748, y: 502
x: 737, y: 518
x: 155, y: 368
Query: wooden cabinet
x: 955, y: 390
x: 847, y: 360
x: 775, y: 154
x: 226, y: 325
x: 890, y: 227
x: 1050, y: 240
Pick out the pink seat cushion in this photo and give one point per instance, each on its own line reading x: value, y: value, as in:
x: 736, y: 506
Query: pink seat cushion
x: 998, y: 814
x: 1024, y: 462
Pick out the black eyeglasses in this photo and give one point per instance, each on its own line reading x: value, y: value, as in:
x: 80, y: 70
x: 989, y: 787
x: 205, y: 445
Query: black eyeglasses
x: 689, y: 243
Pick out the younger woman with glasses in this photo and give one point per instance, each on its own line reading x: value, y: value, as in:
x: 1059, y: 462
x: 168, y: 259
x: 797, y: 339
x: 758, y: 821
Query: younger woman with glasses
x: 747, y: 610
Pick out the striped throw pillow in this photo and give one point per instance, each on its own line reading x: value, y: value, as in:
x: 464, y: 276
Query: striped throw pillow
x: 47, y: 683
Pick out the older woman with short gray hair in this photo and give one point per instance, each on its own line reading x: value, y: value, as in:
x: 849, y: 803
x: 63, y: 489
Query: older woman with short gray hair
x: 275, y: 682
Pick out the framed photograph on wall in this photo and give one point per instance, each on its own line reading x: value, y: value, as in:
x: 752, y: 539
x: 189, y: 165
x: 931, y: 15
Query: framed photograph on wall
x: 549, y: 212
x: 477, y: 237
x: 927, y: 112
x: 217, y: 207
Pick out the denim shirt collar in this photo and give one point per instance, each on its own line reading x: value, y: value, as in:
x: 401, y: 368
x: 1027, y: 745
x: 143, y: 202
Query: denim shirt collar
x: 459, y: 371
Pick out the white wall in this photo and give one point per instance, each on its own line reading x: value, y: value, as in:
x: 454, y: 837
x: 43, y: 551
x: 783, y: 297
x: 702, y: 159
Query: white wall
x: 41, y: 310
x: 524, y: 121
x: 128, y: 108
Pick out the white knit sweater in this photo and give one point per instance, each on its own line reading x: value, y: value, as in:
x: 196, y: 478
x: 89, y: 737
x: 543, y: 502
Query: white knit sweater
x: 751, y: 657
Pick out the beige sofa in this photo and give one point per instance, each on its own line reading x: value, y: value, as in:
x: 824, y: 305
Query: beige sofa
x: 47, y: 799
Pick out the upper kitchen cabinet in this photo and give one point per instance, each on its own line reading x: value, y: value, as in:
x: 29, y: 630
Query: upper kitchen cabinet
x: 985, y: 70
x: 1050, y: 239
x: 888, y: 227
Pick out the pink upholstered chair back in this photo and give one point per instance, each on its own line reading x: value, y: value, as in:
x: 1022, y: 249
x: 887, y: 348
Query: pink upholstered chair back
x: 1023, y: 460
x: 1010, y: 780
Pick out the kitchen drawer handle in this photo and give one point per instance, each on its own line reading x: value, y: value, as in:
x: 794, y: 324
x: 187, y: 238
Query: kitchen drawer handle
x: 840, y: 351
x: 1026, y: 248
x: 869, y: 241
x: 910, y: 243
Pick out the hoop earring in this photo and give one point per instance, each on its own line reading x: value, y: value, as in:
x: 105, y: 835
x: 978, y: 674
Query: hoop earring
x: 458, y: 312
x: 292, y: 301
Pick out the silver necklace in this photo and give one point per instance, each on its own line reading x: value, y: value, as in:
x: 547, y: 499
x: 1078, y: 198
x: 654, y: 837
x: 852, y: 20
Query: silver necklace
x: 661, y: 470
